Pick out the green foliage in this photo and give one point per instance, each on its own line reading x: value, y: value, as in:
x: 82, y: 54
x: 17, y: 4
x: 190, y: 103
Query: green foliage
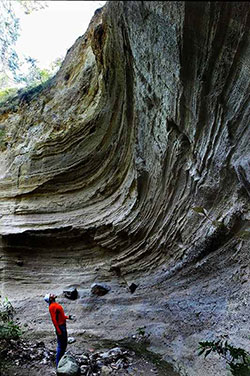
x: 36, y: 81
x: 9, y: 33
x: 55, y: 65
x: 10, y: 61
x: 203, y: 212
x: 200, y: 210
x: 141, y: 331
x: 35, y: 76
x: 7, y: 93
x: 244, y: 235
x: 9, y: 329
x: 6, y: 311
x: 237, y: 358
x: 32, y: 5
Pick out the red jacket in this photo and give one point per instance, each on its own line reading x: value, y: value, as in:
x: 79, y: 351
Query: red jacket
x: 57, y: 316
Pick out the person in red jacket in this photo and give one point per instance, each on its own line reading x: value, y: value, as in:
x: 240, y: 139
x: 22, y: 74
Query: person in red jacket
x: 59, y: 320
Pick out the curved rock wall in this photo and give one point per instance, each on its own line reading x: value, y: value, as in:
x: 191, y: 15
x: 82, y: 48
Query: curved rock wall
x: 100, y: 170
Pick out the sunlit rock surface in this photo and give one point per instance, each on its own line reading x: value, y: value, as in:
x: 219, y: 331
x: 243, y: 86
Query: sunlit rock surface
x: 147, y: 118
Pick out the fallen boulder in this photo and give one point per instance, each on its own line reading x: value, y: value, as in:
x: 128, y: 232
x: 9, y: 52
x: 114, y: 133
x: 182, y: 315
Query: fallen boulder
x: 133, y: 287
x: 68, y: 366
x: 106, y: 370
x: 71, y: 293
x: 100, y: 289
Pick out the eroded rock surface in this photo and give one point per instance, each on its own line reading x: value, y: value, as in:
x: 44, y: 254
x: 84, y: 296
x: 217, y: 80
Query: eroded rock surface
x: 147, y: 118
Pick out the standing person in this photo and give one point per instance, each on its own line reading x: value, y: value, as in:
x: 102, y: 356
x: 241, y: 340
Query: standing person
x: 59, y: 320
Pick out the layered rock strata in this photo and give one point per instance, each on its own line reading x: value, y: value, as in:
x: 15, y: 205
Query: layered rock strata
x: 100, y: 170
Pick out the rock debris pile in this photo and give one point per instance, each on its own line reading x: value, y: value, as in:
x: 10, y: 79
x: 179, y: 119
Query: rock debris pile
x: 26, y: 354
x: 21, y: 352
x: 105, y: 363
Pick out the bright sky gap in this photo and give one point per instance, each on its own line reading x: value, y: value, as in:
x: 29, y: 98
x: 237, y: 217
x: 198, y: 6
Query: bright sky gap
x: 48, y: 33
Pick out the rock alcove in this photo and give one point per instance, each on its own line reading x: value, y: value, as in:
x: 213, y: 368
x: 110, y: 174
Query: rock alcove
x: 102, y: 167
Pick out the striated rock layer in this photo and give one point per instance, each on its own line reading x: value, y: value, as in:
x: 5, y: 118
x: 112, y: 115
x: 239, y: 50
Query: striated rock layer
x: 100, y: 170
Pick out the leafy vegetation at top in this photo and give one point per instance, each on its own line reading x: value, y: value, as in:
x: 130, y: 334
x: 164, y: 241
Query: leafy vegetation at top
x: 10, y: 61
x: 12, y: 81
x: 237, y: 359
x: 36, y: 78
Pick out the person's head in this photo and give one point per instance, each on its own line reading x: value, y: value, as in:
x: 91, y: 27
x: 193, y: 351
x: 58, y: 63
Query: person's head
x: 50, y: 298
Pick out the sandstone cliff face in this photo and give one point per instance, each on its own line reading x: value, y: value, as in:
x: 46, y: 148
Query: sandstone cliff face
x: 147, y: 118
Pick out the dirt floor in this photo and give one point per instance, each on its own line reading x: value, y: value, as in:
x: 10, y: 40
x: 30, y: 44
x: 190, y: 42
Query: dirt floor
x: 34, y: 353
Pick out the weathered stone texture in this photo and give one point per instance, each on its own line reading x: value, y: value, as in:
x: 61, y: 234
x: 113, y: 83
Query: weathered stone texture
x: 147, y: 118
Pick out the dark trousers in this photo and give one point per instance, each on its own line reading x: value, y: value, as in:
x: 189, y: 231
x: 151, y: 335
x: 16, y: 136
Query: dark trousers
x: 62, y: 341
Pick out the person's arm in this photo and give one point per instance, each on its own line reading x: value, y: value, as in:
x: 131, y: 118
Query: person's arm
x: 66, y: 317
x: 52, y: 310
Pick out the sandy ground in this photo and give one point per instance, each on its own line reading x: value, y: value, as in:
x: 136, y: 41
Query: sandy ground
x: 38, y: 328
